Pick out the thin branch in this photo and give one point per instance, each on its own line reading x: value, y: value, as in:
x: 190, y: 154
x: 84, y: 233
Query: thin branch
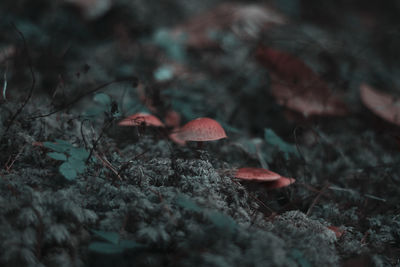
x: 316, y: 199
x: 107, y: 164
x: 95, y: 143
x: 11, y: 121
x: 78, y: 98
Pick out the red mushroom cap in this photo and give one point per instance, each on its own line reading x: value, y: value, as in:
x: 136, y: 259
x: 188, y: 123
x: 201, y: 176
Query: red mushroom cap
x: 256, y: 174
x: 201, y: 129
x: 175, y: 139
x: 338, y: 232
x: 139, y: 118
x: 172, y: 118
x: 281, y: 182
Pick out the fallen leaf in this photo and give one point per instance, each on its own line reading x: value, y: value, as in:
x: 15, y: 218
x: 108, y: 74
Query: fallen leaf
x: 383, y: 105
x: 92, y: 9
x: 244, y: 20
x: 297, y: 86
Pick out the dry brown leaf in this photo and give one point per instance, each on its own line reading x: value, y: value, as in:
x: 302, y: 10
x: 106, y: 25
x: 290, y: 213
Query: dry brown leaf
x: 244, y: 20
x: 383, y: 105
x: 92, y: 9
x: 297, y: 86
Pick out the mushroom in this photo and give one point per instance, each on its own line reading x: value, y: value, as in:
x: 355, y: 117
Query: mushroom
x: 172, y: 119
x: 199, y: 130
x: 281, y: 182
x: 338, y: 232
x: 256, y: 174
x: 140, y: 118
x: 272, y: 180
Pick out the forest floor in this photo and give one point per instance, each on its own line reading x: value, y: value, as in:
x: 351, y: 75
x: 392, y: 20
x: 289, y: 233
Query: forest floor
x: 304, y: 89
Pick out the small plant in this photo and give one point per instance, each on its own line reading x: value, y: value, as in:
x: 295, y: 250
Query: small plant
x: 104, y: 106
x: 225, y: 224
x: 112, y: 243
x: 271, y: 138
x: 73, y: 158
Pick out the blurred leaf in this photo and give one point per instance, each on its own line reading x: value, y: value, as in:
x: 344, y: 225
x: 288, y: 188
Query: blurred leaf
x: 77, y: 164
x: 295, y: 85
x: 112, y: 237
x: 93, y: 112
x: 186, y: 203
x: 102, y: 98
x: 172, y: 46
x: 58, y: 147
x: 79, y: 153
x: 163, y: 73
x: 68, y: 170
x: 273, y: 139
x: 105, y: 248
x: 383, y: 105
x: 57, y: 156
x: 299, y: 257
x: 222, y: 221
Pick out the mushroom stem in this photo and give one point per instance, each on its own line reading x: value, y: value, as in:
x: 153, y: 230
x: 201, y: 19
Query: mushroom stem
x: 200, y: 145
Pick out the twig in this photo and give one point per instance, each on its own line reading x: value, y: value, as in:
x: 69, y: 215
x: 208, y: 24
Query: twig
x: 98, y: 140
x: 257, y: 200
x: 11, y: 121
x: 39, y: 233
x: 316, y: 199
x: 125, y: 165
x: 108, y: 165
x: 5, y: 84
x: 8, y: 165
x: 64, y: 106
x: 83, y: 136
x: 351, y: 191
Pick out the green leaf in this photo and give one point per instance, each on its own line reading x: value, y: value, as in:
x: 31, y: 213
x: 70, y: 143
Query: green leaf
x: 172, y: 46
x: 58, y: 147
x: 299, y: 257
x: 112, y: 237
x: 273, y: 139
x: 57, y: 156
x: 163, y: 73
x: 186, y: 203
x: 79, y: 153
x: 105, y: 248
x: 62, y: 142
x: 93, y: 112
x: 68, y: 171
x: 77, y: 164
x: 102, y: 98
x: 222, y: 221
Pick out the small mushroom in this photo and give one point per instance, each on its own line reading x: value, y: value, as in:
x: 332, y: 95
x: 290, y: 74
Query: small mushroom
x: 281, y: 182
x: 272, y: 180
x: 172, y: 119
x: 199, y: 130
x: 256, y: 174
x: 140, y: 118
x: 338, y: 232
